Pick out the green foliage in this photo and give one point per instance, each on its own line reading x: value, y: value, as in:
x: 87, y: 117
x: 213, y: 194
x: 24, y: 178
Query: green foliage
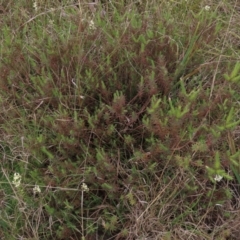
x: 234, y: 76
x: 108, y: 108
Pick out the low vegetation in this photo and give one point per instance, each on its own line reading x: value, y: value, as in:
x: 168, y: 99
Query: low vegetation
x: 120, y: 120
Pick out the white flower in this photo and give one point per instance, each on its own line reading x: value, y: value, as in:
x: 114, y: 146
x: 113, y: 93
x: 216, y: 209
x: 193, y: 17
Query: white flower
x: 84, y: 187
x: 16, y: 179
x: 218, y: 178
x: 36, y: 189
x: 35, y: 6
x: 92, y: 25
x: 207, y: 8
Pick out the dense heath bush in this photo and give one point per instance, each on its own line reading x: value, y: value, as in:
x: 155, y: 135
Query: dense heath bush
x: 123, y: 115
